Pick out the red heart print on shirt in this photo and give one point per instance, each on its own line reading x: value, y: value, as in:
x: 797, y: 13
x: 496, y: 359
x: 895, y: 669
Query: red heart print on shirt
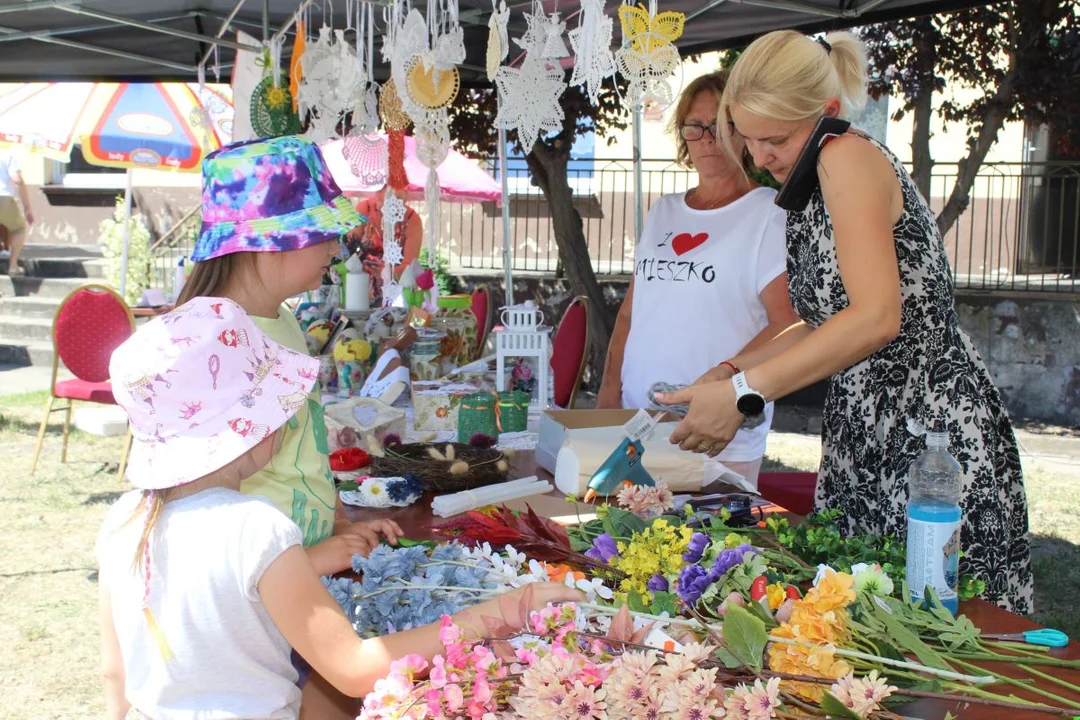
x: 685, y: 242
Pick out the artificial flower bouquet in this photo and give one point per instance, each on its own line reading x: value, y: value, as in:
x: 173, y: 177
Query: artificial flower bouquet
x: 686, y: 617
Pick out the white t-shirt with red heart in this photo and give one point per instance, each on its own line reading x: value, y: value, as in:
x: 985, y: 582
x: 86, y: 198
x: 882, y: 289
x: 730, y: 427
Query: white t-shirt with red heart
x: 698, y: 278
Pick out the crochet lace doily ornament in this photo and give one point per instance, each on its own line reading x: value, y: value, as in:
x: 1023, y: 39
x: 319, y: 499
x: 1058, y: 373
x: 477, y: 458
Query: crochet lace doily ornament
x: 331, y: 80
x: 554, y: 45
x: 368, y: 157
x: 529, y: 95
x: 498, y: 44
x: 272, y: 110
x: 390, y: 110
x: 430, y: 87
x: 393, y: 212
x: 649, y: 58
x: 591, y: 43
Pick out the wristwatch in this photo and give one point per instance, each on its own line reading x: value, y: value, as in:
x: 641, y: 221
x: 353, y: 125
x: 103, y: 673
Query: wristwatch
x: 750, y: 402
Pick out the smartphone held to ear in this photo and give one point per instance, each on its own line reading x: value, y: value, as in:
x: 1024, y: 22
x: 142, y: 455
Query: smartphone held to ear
x: 796, y: 191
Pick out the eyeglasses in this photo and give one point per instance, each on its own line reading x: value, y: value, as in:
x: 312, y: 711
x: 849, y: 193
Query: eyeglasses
x: 696, y: 132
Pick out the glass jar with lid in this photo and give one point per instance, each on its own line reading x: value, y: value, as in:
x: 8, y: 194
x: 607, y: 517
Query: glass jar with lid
x: 455, y: 318
x: 425, y: 355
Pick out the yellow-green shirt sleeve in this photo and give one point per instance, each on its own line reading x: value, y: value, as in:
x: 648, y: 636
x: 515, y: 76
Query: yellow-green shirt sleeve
x: 298, y: 478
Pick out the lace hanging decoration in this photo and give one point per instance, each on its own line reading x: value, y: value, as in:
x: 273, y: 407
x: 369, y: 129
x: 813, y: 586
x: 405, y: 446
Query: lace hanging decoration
x: 591, y: 43
x: 498, y: 46
x: 432, y: 147
x: 554, y: 45
x: 529, y: 95
x: 393, y: 212
x: 395, y: 121
x: 368, y: 157
x: 648, y: 57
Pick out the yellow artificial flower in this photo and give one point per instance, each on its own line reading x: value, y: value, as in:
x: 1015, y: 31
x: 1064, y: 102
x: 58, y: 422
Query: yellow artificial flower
x: 734, y: 540
x: 834, y: 591
x: 776, y: 595
x: 657, y: 550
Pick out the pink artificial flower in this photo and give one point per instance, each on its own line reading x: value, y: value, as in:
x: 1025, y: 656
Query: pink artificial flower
x: 425, y: 280
x: 476, y: 709
x: 584, y: 703
x: 434, y: 704
x: 733, y: 598
x: 481, y: 690
x: 763, y: 700
x: 409, y: 666
x: 783, y: 613
x: 449, y: 633
x: 438, y: 672
x: 454, y: 696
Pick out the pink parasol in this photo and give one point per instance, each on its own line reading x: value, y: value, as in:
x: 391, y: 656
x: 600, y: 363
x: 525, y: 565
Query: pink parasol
x: 460, y: 179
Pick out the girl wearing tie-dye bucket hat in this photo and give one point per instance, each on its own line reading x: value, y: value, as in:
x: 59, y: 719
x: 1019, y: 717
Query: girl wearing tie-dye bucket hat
x: 272, y: 223
x: 205, y: 589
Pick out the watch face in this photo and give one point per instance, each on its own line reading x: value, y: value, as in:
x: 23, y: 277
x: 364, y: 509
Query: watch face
x: 751, y: 404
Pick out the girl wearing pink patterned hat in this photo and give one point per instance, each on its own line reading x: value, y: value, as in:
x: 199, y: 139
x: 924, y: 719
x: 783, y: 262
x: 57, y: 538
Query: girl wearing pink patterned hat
x: 205, y: 589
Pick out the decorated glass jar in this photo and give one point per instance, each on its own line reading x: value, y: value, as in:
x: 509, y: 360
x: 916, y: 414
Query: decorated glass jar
x: 455, y: 318
x: 425, y: 355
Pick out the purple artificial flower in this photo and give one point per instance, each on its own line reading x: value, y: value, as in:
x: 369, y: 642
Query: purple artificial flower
x: 693, y: 580
x: 696, y: 548
x: 603, y: 548
x: 657, y: 583
x: 728, y: 559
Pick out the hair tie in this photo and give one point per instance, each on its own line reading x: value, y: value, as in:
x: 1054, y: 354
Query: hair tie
x: 825, y: 44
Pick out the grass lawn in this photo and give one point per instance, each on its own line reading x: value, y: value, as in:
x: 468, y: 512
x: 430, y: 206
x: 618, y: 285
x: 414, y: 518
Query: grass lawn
x: 48, y: 613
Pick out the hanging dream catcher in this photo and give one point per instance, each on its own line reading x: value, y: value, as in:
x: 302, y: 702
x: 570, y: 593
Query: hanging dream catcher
x: 272, y: 110
x: 591, y: 43
x: 648, y: 57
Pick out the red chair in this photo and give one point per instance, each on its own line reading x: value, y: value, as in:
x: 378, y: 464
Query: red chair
x: 90, y: 323
x: 481, y: 308
x: 793, y: 491
x: 570, y: 351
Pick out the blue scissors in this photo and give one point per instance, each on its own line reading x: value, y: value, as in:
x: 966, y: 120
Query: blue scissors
x: 1047, y: 637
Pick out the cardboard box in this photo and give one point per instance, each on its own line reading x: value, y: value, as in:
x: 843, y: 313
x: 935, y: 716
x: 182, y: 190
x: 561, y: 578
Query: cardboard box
x: 557, y: 425
x: 436, y: 403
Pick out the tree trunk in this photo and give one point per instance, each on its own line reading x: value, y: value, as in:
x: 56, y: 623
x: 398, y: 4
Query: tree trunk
x: 548, y: 168
x: 922, y: 164
x: 997, y: 109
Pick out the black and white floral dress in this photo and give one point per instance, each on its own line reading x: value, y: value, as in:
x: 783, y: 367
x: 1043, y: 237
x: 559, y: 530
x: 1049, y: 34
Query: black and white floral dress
x: 929, y: 373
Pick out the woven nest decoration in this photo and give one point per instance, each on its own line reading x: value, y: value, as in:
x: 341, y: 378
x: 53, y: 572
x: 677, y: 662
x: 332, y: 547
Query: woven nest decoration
x: 442, y: 467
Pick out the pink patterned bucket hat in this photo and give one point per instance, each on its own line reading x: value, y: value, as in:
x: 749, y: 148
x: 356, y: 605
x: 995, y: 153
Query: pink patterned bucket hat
x: 270, y: 196
x: 202, y: 385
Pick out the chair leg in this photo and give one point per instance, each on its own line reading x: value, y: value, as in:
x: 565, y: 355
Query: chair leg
x: 41, y: 434
x: 124, y: 456
x: 67, y: 429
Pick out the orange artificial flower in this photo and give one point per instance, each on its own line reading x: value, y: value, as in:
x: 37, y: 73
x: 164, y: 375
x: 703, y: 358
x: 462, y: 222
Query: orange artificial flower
x: 558, y: 572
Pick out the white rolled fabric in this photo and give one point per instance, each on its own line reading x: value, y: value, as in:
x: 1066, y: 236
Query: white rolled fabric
x: 447, y: 505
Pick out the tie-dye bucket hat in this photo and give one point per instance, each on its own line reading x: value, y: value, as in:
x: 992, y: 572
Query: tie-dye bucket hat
x: 202, y: 385
x: 270, y: 195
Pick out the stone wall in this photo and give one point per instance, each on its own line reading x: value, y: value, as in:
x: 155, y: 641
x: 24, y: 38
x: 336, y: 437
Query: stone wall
x: 1030, y: 343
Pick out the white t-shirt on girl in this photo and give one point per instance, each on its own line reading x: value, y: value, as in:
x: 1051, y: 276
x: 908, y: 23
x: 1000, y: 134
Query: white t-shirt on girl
x: 229, y: 659
x: 698, y: 277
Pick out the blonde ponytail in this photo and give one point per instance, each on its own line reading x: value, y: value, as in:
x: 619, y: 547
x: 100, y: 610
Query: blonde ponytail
x: 788, y: 76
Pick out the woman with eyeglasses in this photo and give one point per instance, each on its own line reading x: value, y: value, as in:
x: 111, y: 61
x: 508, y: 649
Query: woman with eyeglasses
x: 709, y: 278
x: 870, y: 279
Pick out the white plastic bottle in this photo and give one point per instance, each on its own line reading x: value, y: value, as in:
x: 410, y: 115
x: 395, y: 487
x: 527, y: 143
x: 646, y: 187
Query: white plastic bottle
x: 934, y: 515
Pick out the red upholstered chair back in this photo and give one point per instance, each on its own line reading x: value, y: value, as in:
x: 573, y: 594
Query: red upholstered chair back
x: 481, y: 309
x: 570, y: 350
x: 90, y: 323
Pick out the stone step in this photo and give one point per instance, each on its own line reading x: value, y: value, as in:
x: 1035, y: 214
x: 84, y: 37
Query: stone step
x: 22, y: 354
x: 25, y: 286
x: 59, y: 267
x: 37, y: 250
x: 35, y: 308
x: 25, y: 330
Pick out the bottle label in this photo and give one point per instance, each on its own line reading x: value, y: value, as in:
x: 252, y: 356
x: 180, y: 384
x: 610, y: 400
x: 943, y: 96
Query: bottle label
x: 933, y: 558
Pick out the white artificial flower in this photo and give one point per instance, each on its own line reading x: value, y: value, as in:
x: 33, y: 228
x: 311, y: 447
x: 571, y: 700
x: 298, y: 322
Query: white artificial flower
x: 592, y: 588
x: 373, y: 490
x: 513, y: 556
x: 821, y: 572
x: 871, y: 579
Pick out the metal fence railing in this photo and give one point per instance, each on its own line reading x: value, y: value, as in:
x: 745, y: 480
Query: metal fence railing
x: 1020, y: 231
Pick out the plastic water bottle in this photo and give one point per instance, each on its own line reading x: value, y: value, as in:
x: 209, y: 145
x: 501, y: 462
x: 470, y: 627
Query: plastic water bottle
x: 933, y: 534
x: 179, y: 278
